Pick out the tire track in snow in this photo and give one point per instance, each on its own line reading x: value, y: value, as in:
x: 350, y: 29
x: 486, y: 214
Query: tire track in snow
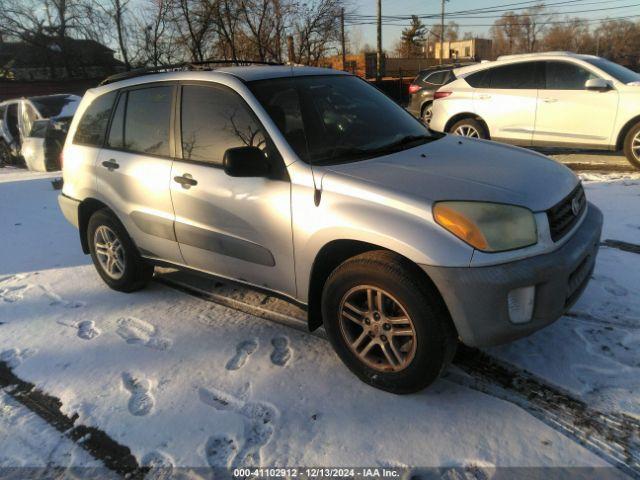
x: 97, y: 443
x: 614, y: 437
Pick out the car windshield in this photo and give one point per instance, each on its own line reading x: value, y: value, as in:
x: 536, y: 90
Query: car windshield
x: 618, y: 72
x: 56, y: 105
x: 330, y: 119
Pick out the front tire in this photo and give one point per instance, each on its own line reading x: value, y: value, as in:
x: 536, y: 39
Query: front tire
x: 469, y: 127
x: 387, y: 323
x: 632, y: 145
x: 114, y: 255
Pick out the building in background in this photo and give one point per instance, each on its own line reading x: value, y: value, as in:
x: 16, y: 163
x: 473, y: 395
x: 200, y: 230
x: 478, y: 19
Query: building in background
x: 471, y: 49
x: 45, y: 58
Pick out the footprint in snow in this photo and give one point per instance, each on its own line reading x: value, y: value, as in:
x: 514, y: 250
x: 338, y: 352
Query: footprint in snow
x: 87, y: 330
x: 281, y: 352
x: 160, y: 466
x: 258, y: 424
x: 15, y: 356
x: 139, y: 332
x: 57, y: 300
x: 141, y: 402
x: 243, y: 350
x: 13, y: 293
x: 219, y: 450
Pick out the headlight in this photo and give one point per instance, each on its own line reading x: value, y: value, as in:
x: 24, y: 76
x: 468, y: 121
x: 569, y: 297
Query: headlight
x: 491, y: 227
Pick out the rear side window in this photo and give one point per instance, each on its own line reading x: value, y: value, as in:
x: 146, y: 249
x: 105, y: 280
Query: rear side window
x: 566, y: 76
x: 479, y: 79
x: 147, y: 120
x: 437, y: 78
x: 517, y: 76
x: 93, y: 125
x: 213, y: 120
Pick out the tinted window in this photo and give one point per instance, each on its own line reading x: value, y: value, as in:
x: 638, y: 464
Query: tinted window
x: 516, y: 76
x: 54, y: 105
x: 335, y: 118
x: 618, y: 72
x: 479, y: 79
x: 566, y: 76
x: 214, y: 120
x: 116, y: 131
x: 93, y: 125
x: 147, y: 120
x: 437, y: 78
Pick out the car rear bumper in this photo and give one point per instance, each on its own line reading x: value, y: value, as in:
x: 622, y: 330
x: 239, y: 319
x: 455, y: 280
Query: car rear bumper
x: 477, y: 297
x: 69, y: 207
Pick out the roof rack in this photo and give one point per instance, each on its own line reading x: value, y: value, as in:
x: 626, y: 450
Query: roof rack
x: 205, y: 65
x: 536, y: 54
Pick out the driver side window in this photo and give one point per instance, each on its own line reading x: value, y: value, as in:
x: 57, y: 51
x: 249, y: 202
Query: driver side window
x: 566, y: 76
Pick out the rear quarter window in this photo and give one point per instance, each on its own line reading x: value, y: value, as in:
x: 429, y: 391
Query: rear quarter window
x: 479, y: 79
x: 93, y: 124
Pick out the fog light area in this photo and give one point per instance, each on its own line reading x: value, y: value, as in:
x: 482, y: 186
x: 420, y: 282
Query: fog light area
x: 520, y: 302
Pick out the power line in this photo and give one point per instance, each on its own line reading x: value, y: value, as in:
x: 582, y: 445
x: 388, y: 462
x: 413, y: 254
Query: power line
x: 521, y: 24
x: 461, y: 14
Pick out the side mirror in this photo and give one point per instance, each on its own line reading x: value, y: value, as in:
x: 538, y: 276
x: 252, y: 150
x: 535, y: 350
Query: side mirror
x: 598, y: 85
x: 245, y: 162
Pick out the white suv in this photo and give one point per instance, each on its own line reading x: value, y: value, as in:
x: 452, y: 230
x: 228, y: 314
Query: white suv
x: 555, y: 99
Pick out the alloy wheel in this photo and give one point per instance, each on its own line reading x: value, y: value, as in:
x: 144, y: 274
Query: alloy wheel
x: 427, y: 114
x: 109, y: 251
x: 466, y: 131
x: 377, y: 329
x: 635, y: 146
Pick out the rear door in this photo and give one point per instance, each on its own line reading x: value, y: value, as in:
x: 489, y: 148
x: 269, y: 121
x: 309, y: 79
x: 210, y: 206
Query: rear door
x: 570, y: 114
x: 134, y: 168
x: 230, y: 226
x: 506, y: 98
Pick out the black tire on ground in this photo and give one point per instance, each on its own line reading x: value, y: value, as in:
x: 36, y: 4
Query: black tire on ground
x: 435, y: 335
x: 136, y: 273
x: 470, y: 123
x: 632, y: 145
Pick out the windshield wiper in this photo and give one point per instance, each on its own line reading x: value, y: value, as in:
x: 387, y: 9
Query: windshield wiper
x: 402, y: 142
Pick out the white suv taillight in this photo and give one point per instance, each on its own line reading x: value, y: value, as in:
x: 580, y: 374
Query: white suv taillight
x: 438, y: 95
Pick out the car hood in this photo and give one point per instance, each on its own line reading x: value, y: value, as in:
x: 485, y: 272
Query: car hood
x: 456, y: 168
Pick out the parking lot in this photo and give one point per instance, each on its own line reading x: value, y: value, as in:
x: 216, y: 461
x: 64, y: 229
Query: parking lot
x: 193, y: 373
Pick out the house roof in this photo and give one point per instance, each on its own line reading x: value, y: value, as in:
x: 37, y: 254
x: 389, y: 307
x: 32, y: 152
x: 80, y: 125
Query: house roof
x: 45, y: 51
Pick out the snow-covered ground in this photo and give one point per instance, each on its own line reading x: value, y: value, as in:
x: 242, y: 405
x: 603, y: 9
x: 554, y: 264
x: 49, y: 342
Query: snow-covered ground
x: 185, y: 382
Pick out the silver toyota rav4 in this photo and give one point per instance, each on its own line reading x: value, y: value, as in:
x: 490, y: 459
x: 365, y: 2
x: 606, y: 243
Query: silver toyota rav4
x: 312, y: 184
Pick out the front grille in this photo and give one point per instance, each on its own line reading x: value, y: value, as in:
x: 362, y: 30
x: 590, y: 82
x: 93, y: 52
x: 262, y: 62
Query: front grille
x: 562, y: 217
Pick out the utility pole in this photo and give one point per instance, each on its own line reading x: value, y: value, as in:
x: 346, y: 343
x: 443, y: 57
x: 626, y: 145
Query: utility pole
x: 342, y: 40
x: 379, y: 46
x: 442, y: 34
x: 290, y: 52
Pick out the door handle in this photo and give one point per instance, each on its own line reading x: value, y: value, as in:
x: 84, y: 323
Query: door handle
x: 484, y: 97
x: 186, y: 181
x: 550, y: 100
x: 111, y: 164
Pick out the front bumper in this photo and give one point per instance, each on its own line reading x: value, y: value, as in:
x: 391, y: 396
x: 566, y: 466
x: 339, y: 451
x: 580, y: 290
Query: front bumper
x: 69, y: 207
x: 477, y: 296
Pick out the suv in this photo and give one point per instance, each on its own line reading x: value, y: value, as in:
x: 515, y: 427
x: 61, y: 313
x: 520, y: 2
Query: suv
x: 423, y: 87
x: 555, y: 99
x: 312, y: 184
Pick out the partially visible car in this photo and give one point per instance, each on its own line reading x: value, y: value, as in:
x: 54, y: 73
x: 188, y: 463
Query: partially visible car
x: 38, y: 147
x: 553, y: 99
x: 425, y: 84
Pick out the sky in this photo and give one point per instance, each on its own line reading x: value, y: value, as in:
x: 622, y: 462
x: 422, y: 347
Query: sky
x: 390, y: 34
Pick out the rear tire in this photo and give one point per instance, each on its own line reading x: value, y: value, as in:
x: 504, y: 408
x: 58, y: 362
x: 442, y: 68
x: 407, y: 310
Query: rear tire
x: 469, y: 127
x: 114, y: 255
x: 426, y: 113
x: 396, y: 361
x: 632, y: 145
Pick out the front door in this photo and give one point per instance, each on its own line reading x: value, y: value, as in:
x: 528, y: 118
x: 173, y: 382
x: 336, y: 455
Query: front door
x: 235, y: 227
x: 134, y: 169
x: 568, y: 113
